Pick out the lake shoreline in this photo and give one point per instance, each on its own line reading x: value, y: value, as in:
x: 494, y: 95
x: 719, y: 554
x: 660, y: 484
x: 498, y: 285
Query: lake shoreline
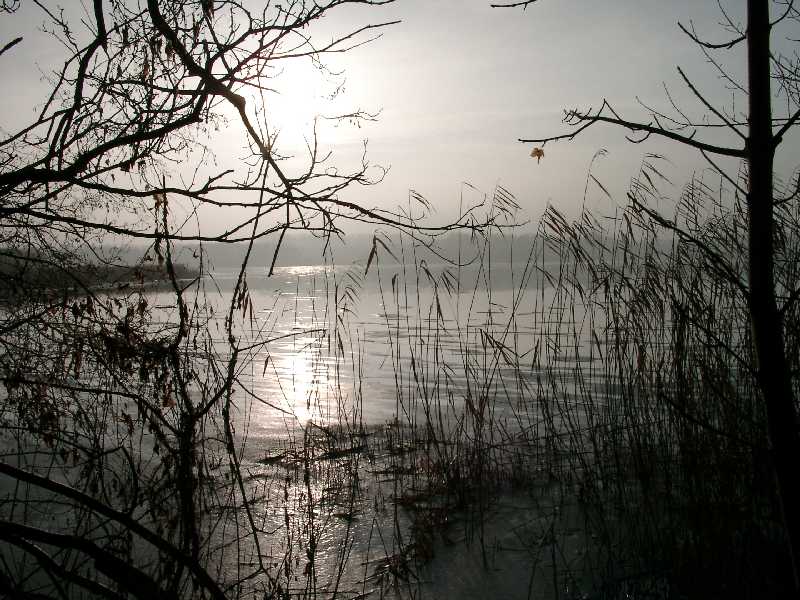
x: 23, y: 280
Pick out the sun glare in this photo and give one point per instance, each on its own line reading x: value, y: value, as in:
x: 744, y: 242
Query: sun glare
x: 299, y: 97
x: 300, y: 389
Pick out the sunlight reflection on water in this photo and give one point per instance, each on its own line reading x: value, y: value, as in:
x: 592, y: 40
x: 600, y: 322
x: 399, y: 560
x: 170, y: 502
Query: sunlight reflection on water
x: 321, y: 381
x: 299, y: 395
x: 322, y: 360
x: 331, y: 344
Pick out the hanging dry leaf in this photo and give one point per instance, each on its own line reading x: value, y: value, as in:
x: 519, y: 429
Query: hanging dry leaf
x: 128, y: 421
x: 78, y: 359
x: 537, y: 153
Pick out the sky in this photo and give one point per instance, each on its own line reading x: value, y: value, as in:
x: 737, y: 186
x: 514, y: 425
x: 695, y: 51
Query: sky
x: 457, y: 82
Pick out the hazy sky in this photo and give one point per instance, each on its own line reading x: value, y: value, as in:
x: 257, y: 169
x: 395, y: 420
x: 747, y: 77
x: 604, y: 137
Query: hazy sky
x: 458, y: 82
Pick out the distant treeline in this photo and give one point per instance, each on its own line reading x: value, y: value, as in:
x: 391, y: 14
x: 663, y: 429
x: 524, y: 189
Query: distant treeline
x: 23, y: 275
x: 305, y: 249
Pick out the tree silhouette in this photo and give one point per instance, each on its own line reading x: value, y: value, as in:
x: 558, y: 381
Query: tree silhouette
x: 761, y: 132
x: 117, y: 412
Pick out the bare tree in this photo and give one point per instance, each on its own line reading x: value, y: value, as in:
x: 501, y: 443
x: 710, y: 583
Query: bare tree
x: 115, y: 412
x: 760, y: 132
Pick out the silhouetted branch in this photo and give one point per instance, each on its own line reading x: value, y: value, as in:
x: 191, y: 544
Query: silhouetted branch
x: 709, y: 45
x: 791, y: 122
x: 523, y: 3
x: 131, y: 524
x: 134, y: 580
x: 709, y: 106
x: 10, y: 45
x: 584, y: 120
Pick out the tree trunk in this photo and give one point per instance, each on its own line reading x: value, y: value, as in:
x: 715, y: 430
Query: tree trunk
x: 774, y: 377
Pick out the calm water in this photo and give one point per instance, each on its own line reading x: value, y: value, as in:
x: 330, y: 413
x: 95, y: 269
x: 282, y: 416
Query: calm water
x: 341, y: 347
x: 395, y: 347
x: 330, y: 349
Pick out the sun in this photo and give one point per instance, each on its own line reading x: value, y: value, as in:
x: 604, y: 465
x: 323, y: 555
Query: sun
x: 301, y: 94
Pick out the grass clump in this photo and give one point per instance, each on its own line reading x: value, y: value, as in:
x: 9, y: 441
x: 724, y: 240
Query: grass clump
x: 611, y: 379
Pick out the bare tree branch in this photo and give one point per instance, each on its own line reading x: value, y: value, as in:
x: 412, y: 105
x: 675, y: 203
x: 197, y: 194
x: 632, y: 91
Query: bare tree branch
x: 709, y: 45
x: 134, y: 526
x: 709, y: 106
x: 583, y: 120
x: 10, y: 45
x: 523, y: 3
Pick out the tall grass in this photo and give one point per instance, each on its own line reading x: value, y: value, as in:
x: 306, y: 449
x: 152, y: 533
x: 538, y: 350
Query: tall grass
x: 579, y: 415
x: 615, y: 386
